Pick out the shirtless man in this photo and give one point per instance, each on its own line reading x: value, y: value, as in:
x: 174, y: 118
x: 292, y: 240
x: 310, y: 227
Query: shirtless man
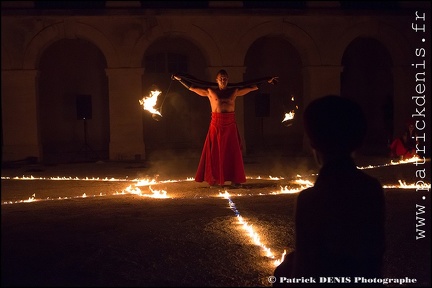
x: 222, y: 99
x: 221, y: 158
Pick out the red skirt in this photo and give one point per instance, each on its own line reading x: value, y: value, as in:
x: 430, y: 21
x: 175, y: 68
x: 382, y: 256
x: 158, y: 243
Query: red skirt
x: 221, y: 157
x: 398, y: 149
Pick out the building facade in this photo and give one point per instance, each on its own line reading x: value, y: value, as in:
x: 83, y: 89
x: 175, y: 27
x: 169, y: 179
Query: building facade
x: 73, y: 75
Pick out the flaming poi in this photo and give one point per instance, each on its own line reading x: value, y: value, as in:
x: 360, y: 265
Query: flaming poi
x: 289, y: 116
x: 150, y: 102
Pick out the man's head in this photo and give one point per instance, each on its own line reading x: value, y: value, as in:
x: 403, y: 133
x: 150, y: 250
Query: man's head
x: 222, y: 78
x: 335, y: 125
x: 410, y: 124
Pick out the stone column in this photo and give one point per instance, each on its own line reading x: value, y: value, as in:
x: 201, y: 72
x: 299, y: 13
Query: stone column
x: 126, y: 124
x: 19, y: 115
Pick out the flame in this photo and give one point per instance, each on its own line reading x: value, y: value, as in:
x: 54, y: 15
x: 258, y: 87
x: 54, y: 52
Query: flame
x: 137, y: 191
x: 289, y: 116
x: 419, y: 185
x: 158, y: 193
x: 414, y: 159
x: 146, y: 182
x: 134, y: 188
x: 248, y: 227
x: 303, y: 185
x: 306, y: 183
x: 279, y: 261
x: 149, y: 102
x: 286, y: 190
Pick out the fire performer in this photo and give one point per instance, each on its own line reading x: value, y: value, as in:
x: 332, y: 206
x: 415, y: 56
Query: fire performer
x: 404, y: 147
x: 221, y: 157
x: 340, y: 221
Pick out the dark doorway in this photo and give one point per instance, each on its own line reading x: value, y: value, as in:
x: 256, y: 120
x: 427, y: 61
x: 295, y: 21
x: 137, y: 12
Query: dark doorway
x: 367, y: 78
x: 72, y: 86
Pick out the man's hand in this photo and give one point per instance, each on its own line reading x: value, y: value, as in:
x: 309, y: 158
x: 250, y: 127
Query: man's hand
x: 273, y: 80
x: 183, y: 82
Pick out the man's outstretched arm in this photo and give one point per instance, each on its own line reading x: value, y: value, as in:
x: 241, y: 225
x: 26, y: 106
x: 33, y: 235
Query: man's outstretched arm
x: 183, y: 82
x: 190, y: 87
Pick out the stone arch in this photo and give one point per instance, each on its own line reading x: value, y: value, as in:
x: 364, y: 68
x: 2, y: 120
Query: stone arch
x: 306, y: 51
x: 267, y: 108
x: 73, y: 102
x: 212, y: 57
x: 394, y: 41
x: 398, y: 49
x: 181, y: 109
x: 200, y: 38
x: 300, y: 40
x: 367, y: 78
x: 69, y: 30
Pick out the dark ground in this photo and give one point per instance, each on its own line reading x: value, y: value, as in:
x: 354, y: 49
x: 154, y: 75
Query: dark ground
x: 192, y: 238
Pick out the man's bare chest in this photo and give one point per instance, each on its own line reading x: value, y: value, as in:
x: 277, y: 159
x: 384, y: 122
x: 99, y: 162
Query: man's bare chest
x: 224, y: 95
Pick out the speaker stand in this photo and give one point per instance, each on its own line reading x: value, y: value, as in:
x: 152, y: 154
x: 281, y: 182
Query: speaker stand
x: 86, y: 150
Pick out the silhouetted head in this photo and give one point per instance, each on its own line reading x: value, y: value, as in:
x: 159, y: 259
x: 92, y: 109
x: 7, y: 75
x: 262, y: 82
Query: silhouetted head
x: 334, y: 125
